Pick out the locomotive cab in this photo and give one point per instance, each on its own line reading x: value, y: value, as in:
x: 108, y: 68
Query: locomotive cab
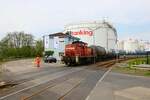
x: 76, y: 52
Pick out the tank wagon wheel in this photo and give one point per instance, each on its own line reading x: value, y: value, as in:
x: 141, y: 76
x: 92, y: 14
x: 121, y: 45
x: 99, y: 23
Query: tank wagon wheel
x: 67, y: 63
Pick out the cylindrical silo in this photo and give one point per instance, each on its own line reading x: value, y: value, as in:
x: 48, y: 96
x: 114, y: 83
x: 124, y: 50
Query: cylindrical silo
x: 100, y: 33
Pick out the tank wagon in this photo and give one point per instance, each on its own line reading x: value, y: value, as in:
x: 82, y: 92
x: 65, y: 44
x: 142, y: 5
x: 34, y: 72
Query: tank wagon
x: 78, y: 52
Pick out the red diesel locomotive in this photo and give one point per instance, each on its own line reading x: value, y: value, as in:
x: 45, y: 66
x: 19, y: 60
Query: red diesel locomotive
x: 79, y: 53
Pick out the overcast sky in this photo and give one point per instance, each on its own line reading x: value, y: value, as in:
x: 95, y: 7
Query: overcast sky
x: 38, y: 17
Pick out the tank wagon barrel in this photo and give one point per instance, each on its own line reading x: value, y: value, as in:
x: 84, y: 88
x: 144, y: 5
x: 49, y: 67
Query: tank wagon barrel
x: 98, y: 50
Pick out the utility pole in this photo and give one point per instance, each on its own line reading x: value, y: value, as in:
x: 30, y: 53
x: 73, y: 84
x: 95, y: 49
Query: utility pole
x: 94, y: 35
x: 93, y: 30
x: 107, y: 38
x: 94, y: 44
x: 147, y: 56
x: 105, y: 23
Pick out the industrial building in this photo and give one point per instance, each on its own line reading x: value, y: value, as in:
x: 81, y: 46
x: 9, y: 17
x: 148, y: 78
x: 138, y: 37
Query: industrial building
x: 131, y: 45
x: 99, y: 33
x: 147, y: 46
x: 120, y: 45
x: 56, y: 42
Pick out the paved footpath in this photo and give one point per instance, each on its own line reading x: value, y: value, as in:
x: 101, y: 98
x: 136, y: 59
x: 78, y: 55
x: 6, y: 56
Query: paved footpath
x: 117, y: 86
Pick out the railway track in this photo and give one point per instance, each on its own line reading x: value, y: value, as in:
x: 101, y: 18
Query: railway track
x: 55, y: 84
x: 112, y: 62
x: 37, y: 90
x: 105, y: 64
x: 49, y: 87
x: 25, y: 77
x: 43, y: 85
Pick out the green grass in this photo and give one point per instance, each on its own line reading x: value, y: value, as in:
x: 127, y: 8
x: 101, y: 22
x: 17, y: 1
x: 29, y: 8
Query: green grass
x: 147, y: 74
x: 132, y: 71
x: 137, y: 61
x: 129, y: 69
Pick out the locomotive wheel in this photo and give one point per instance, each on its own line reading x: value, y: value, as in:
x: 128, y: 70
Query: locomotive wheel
x: 67, y: 63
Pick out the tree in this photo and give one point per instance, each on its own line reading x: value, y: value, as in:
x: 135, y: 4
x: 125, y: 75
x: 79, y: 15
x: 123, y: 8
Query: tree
x: 17, y: 44
x: 18, y: 39
x: 39, y: 47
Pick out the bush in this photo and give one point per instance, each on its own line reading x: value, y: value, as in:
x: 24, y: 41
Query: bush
x: 49, y: 53
x: 22, y: 52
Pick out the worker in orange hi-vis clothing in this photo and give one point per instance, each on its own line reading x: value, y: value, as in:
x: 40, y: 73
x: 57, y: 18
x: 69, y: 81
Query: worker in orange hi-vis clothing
x: 38, y: 61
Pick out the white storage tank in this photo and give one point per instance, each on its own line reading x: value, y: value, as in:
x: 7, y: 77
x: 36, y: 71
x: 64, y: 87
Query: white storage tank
x: 99, y: 33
